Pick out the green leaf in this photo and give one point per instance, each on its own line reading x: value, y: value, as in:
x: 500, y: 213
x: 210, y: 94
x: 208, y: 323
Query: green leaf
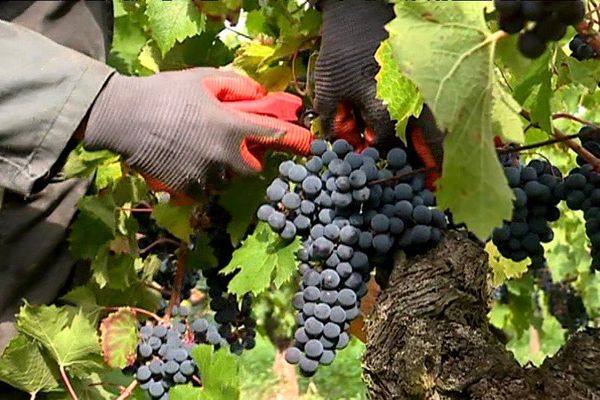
x: 114, y: 270
x: 119, y: 338
x: 202, y: 257
x: 256, y: 23
x: 535, y: 92
x: 24, y: 366
x: 262, y: 258
x: 71, y: 340
x: 107, y: 174
x: 128, y: 40
x: 220, y: 373
x: 94, y: 227
x: 244, y: 195
x: 173, y: 21
x: 130, y: 189
x: 175, y: 219
x: 150, y: 267
x: 586, y: 73
x: 506, y: 121
x: 456, y: 77
x: 395, y: 90
x: 186, y: 392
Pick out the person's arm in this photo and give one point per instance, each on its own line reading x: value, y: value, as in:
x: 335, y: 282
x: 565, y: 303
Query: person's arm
x: 46, y: 91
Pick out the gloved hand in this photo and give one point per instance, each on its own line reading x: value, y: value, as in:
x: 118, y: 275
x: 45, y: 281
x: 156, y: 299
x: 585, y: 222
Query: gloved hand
x: 174, y: 126
x: 345, y: 72
x: 346, y: 88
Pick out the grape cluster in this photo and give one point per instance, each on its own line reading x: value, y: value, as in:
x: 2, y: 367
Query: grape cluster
x: 536, y: 188
x: 581, y: 49
x: 236, y: 323
x: 564, y: 303
x: 581, y: 190
x: 351, y: 210
x: 165, y: 352
x: 550, y: 18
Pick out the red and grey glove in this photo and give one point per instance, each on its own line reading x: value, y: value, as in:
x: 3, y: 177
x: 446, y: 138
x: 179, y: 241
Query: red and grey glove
x: 175, y: 126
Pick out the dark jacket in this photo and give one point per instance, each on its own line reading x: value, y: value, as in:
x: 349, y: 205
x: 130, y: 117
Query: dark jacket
x: 53, y: 55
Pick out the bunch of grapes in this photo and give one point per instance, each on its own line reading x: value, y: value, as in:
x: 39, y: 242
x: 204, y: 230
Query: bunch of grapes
x: 165, y: 352
x: 581, y: 49
x: 536, y: 190
x: 564, y: 303
x: 236, y: 323
x: 351, y: 210
x: 581, y: 190
x: 549, y: 21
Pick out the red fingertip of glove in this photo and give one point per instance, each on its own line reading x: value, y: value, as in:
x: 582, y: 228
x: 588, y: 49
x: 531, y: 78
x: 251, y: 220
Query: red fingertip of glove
x: 234, y: 88
x: 177, y: 198
x: 345, y: 127
x: 370, y: 136
x: 280, y: 105
x: 296, y: 140
x: 422, y: 149
x: 498, y: 141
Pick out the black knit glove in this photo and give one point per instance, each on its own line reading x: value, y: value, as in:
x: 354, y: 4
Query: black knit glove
x: 174, y: 126
x: 346, y: 68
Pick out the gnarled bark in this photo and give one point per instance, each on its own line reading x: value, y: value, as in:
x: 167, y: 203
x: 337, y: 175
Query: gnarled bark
x: 429, y: 337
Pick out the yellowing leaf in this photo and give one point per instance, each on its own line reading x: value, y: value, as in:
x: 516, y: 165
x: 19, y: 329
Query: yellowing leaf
x: 119, y: 338
x: 503, y: 268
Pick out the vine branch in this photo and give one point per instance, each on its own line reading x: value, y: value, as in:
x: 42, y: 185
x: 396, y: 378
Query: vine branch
x: 67, y: 381
x: 576, y: 147
x: 179, y: 277
x: 128, y: 390
x: 158, y: 242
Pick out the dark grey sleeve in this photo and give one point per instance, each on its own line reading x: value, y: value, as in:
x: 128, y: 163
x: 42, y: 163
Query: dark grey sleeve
x: 45, y: 92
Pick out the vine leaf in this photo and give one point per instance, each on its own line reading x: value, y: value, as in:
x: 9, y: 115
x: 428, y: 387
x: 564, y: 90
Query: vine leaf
x: 203, y: 255
x: 535, y: 91
x: 95, y: 226
x: 456, y: 77
x: 262, y: 255
x: 175, y: 219
x: 220, y: 376
x: 244, y: 195
x: 119, y: 338
x: 173, y: 21
x: 502, y: 268
x: 70, y: 339
x: 396, y: 91
x: 24, y: 366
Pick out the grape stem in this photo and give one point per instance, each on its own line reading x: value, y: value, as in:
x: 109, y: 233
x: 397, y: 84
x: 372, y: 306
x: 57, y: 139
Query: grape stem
x: 136, y: 310
x: 576, y: 147
x: 592, y: 38
x: 158, y: 242
x: 138, y: 210
x: 179, y: 277
x: 401, y: 176
x: 128, y: 391
x: 573, y: 118
x: 67, y: 381
x: 548, y: 142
